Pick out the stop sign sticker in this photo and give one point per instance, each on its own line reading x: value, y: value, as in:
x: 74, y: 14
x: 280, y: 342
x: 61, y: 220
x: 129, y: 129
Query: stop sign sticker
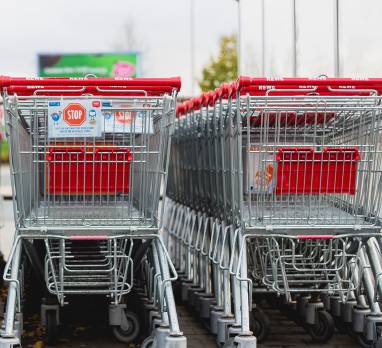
x: 74, y: 114
x: 74, y: 118
x: 125, y: 117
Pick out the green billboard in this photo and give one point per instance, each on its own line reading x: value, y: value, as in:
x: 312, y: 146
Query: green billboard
x: 80, y: 65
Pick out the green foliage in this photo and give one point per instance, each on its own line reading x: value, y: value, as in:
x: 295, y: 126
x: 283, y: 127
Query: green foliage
x: 224, y: 68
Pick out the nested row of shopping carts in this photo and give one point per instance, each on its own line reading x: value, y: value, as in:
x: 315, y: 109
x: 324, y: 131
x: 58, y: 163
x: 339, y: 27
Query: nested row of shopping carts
x: 275, y: 192
x: 88, y: 161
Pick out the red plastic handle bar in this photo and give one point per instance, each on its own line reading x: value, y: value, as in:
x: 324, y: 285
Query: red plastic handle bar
x: 113, y: 150
x: 105, y: 90
x: 244, y: 81
x: 7, y: 81
x: 88, y: 237
x: 299, y: 89
x: 315, y: 237
x: 51, y: 151
x: 340, y: 150
x: 297, y: 149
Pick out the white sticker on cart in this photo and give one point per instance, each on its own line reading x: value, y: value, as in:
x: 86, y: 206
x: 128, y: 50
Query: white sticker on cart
x: 74, y: 118
x: 261, y: 169
x: 124, y: 121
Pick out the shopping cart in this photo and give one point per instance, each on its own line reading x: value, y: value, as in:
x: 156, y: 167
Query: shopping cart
x: 295, y: 190
x: 309, y: 154
x: 2, y: 132
x: 198, y: 235
x: 88, y: 157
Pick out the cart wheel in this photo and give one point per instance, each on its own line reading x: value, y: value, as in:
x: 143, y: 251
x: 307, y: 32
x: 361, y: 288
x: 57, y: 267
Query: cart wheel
x: 379, y: 343
x: 177, y: 290
x: 148, y: 342
x: 364, y: 343
x: 259, y: 298
x: 131, y: 333
x: 351, y: 332
x: 259, y: 324
x: 217, y: 343
x: 272, y: 301
x: 206, y: 322
x: 51, y: 327
x: 340, y: 325
x: 323, y: 330
x: 230, y: 343
x: 2, y: 266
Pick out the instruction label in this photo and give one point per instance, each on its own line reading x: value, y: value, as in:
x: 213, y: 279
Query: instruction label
x: 125, y: 121
x: 74, y: 118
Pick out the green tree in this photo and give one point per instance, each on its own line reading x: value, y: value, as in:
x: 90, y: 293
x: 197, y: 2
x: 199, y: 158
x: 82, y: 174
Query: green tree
x: 224, y: 68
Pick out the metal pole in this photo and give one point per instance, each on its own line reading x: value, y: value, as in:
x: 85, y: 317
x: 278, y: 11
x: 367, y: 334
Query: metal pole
x: 192, y: 48
x: 336, y: 42
x: 294, y: 39
x: 263, y: 32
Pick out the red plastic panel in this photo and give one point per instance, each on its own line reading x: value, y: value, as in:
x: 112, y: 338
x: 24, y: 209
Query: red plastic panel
x: 282, y: 119
x: 75, y: 172
x: 301, y: 171
x: 315, y: 236
x: 88, y: 237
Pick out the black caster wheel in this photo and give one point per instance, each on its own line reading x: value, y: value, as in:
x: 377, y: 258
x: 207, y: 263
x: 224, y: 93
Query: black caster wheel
x: 191, y: 310
x: 259, y: 298
x: 177, y: 290
x: 323, y: 330
x: 351, y: 332
x: 2, y: 266
x: 259, y: 324
x: 272, y: 302
x: 51, y: 328
x: 379, y: 343
x: 217, y: 343
x: 230, y: 343
x: 287, y: 312
x: 340, y: 325
x: 206, y: 322
x: 130, y: 332
x: 148, y: 342
x: 364, y: 343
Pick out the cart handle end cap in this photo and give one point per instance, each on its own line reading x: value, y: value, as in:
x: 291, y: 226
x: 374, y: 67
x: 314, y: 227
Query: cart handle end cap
x: 242, y: 81
x: 232, y: 89
x: 210, y: 98
x: 195, y: 104
x: 176, y: 82
x: 203, y: 99
x: 180, y: 110
x: 5, y: 81
x: 216, y: 94
x: 223, y: 90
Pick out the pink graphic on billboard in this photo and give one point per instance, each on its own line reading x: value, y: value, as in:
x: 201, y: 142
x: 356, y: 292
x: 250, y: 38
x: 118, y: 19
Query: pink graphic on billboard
x: 123, y: 69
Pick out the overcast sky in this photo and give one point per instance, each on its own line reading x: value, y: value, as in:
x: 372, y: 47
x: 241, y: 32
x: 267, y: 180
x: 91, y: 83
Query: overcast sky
x: 360, y: 37
x: 162, y: 29
x: 46, y: 26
